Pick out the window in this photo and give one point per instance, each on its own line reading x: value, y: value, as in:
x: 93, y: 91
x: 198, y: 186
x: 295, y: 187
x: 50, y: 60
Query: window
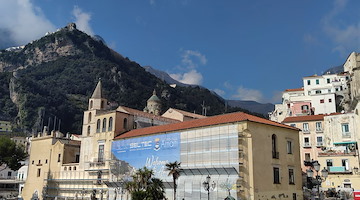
x: 99, y: 177
x: 317, y: 81
x: 88, y: 130
x: 305, y: 108
x: 104, y: 125
x: 291, y: 176
x: 89, y: 118
x: 328, y: 80
x: 330, y: 100
x: 98, y: 126
x: 59, y: 157
x: 329, y: 163
x: 289, y: 147
x: 308, y: 82
x: 329, y: 90
x: 345, y: 129
x: 275, y: 154
x: 32, y: 162
x: 91, y: 104
x: 318, y: 126
x: 9, y: 174
x: 293, y: 125
x: 341, y: 87
x: 38, y: 172
x: 77, y: 158
x: 307, y: 157
x: 322, y: 101
x: 102, y: 105
x: 319, y: 141
x: 110, y: 124
x: 46, y: 161
x: 305, y: 127
x: 101, y: 153
x: 318, y: 92
x: 345, y: 164
x: 125, y: 123
x: 306, y: 142
x: 276, y: 172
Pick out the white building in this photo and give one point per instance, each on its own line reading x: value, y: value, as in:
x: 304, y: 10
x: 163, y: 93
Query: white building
x: 319, y: 95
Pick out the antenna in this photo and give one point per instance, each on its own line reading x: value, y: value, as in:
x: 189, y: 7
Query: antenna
x: 204, y: 108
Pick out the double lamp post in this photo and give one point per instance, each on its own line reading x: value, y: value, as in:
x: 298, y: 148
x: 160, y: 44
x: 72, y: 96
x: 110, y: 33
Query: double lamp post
x: 319, y: 179
x: 208, y: 185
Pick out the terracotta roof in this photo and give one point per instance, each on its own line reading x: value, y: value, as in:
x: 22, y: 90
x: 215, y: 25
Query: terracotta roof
x: 189, y: 114
x: 312, y: 76
x: 144, y: 114
x: 219, y: 119
x: 303, y: 118
x: 293, y: 90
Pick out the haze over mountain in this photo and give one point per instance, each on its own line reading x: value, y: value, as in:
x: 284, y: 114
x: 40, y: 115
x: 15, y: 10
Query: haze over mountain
x: 51, y: 79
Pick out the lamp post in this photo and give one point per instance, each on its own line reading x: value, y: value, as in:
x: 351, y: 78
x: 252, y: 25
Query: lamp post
x: 208, y: 185
x: 324, y: 173
x: 82, y: 193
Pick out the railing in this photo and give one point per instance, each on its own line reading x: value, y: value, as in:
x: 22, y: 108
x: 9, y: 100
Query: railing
x: 275, y: 155
x: 319, y: 144
x: 339, y: 169
x: 307, y: 144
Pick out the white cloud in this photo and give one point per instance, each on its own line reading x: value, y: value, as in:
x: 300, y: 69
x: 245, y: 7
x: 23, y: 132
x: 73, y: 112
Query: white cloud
x: 82, y: 20
x: 191, y: 77
x: 219, y: 92
x: 192, y: 59
x: 345, y: 36
x: 21, y: 22
x: 247, y: 94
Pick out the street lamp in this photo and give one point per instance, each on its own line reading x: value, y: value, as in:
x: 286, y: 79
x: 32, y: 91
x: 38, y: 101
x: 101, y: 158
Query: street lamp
x: 209, y: 186
x: 82, y: 193
x: 324, y: 173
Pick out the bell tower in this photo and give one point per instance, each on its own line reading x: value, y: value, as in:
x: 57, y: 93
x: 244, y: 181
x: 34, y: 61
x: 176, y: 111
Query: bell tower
x: 96, y: 103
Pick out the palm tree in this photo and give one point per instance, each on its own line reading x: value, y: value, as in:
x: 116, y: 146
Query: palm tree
x: 145, y: 187
x: 174, y: 171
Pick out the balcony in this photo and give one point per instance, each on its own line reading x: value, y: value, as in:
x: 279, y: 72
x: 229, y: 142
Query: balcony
x: 339, y: 170
x: 307, y: 145
x: 97, y: 162
x: 275, y: 155
x: 319, y: 144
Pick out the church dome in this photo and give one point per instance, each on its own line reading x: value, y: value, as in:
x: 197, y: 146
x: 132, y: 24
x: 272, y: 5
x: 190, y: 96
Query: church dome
x: 154, y: 97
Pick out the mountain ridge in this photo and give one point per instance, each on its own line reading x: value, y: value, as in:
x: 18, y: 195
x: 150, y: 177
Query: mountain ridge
x: 53, y: 77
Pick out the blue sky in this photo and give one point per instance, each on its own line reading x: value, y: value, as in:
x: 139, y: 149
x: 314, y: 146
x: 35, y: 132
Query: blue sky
x: 242, y: 49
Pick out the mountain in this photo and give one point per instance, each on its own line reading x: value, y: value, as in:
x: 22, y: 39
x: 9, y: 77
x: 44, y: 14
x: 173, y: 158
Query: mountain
x: 51, y: 79
x: 334, y: 70
x: 254, y: 106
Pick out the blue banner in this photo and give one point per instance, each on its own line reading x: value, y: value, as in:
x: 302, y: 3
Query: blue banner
x: 152, y: 152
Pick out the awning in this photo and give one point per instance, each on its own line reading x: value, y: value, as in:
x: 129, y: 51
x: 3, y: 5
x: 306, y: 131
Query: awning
x: 209, y: 171
x: 349, y: 142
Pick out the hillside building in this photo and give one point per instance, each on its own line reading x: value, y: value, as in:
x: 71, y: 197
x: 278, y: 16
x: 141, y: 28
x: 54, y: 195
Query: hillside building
x: 319, y: 95
x: 5, y: 127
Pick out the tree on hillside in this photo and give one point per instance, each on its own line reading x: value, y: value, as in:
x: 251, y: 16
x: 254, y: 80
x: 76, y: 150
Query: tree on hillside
x: 11, y: 154
x: 174, y: 171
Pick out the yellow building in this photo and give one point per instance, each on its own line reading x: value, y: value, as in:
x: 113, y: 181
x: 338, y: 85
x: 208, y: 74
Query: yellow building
x: 250, y: 157
x: 49, y: 152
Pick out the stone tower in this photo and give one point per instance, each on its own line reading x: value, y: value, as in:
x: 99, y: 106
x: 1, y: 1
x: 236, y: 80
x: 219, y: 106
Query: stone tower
x: 153, y: 105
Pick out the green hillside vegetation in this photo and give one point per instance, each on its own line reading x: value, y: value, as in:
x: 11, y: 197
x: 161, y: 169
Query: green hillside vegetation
x: 61, y: 85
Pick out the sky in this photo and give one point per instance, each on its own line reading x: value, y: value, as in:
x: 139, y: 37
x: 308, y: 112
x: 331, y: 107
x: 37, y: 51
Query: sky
x: 241, y: 49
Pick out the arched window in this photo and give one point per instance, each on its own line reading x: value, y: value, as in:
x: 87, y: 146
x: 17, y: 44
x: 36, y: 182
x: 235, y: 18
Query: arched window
x: 110, y: 124
x: 275, y: 153
x: 104, y: 125
x: 135, y: 125
x: 89, y: 118
x: 102, y: 104
x: 98, y: 126
x: 91, y: 104
x: 125, y: 123
x: 88, y: 130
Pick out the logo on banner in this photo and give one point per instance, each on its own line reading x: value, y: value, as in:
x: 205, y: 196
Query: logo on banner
x: 157, y: 144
